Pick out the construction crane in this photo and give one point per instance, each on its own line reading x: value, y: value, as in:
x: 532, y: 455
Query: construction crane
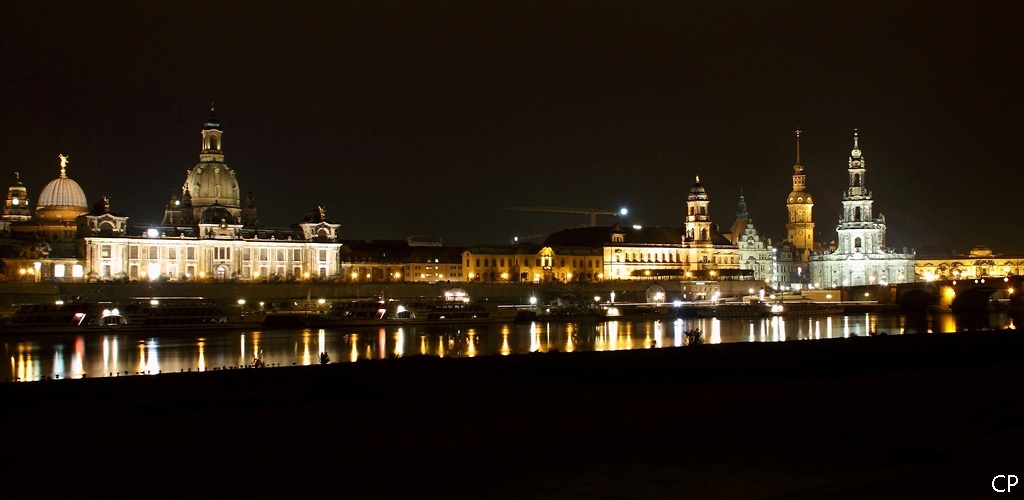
x: 592, y: 212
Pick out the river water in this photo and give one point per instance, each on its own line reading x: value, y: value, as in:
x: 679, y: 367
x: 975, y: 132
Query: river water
x: 34, y: 358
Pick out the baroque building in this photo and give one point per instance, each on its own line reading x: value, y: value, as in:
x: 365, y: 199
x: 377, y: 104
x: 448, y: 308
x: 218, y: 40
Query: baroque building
x: 206, y: 234
x: 697, y: 250
x: 934, y: 263
x: 860, y: 256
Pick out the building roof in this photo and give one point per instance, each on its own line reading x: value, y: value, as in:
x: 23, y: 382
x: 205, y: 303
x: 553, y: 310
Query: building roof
x: 600, y: 236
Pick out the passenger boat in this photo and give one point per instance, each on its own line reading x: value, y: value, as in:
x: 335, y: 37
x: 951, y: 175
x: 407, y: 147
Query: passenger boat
x: 787, y: 308
x: 396, y: 312
x: 150, y: 314
x: 732, y: 310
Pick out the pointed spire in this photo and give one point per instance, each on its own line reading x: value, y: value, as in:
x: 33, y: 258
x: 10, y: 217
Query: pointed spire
x: 698, y: 179
x: 855, y: 153
x: 798, y: 146
x: 211, y: 122
x: 741, y: 209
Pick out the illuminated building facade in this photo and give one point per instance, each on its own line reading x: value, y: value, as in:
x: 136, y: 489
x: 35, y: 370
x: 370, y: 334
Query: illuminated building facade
x: 980, y: 262
x: 697, y: 250
x: 206, y: 235
x: 413, y: 260
x: 860, y: 256
x: 46, y: 237
x: 755, y: 253
x: 529, y: 263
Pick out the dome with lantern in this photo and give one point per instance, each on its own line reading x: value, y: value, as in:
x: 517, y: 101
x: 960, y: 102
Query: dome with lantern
x: 211, y: 181
x: 697, y: 192
x: 62, y: 198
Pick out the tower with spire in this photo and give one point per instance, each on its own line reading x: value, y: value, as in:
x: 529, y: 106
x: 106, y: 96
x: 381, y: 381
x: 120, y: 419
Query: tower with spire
x: 859, y: 232
x: 800, y: 223
x: 861, y: 256
x: 741, y: 219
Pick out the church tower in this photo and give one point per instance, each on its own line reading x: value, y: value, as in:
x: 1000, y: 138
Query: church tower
x: 800, y: 225
x: 858, y: 231
x: 698, y: 221
x: 861, y: 257
x: 16, y: 208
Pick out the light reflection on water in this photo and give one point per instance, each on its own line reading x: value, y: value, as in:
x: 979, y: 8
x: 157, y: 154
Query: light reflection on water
x: 71, y: 356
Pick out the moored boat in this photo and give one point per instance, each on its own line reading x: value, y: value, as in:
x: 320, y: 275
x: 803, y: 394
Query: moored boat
x: 150, y: 314
x: 787, y: 308
x: 731, y: 310
x: 397, y: 312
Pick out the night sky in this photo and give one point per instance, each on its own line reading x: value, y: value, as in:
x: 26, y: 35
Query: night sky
x: 430, y: 118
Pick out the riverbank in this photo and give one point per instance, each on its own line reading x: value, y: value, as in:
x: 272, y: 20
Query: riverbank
x: 879, y: 416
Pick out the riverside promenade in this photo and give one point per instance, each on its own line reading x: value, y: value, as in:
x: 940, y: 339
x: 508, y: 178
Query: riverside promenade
x: 919, y: 416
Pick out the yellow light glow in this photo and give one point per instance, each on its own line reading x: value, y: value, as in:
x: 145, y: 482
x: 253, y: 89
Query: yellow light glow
x: 355, y: 275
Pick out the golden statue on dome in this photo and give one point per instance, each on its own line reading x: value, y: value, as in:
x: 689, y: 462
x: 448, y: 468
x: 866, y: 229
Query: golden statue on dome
x: 63, y: 163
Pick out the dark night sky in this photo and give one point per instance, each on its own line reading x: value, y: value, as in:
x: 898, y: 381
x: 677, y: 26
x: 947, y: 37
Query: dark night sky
x: 429, y: 118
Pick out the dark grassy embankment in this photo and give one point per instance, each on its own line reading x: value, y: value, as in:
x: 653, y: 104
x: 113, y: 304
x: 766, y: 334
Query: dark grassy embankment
x: 897, y: 416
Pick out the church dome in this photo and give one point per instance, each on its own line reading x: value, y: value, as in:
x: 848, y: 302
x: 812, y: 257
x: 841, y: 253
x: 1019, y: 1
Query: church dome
x: 63, y: 192
x: 213, y: 182
x: 800, y: 197
x: 697, y: 193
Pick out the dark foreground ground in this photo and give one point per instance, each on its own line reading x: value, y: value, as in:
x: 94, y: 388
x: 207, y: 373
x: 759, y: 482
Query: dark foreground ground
x: 918, y: 416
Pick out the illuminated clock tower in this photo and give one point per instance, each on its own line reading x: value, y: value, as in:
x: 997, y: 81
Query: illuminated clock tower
x: 16, y: 207
x: 800, y: 228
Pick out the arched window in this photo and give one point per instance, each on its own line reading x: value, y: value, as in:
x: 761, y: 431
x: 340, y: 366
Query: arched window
x: 856, y: 214
x: 856, y: 180
x: 856, y: 243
